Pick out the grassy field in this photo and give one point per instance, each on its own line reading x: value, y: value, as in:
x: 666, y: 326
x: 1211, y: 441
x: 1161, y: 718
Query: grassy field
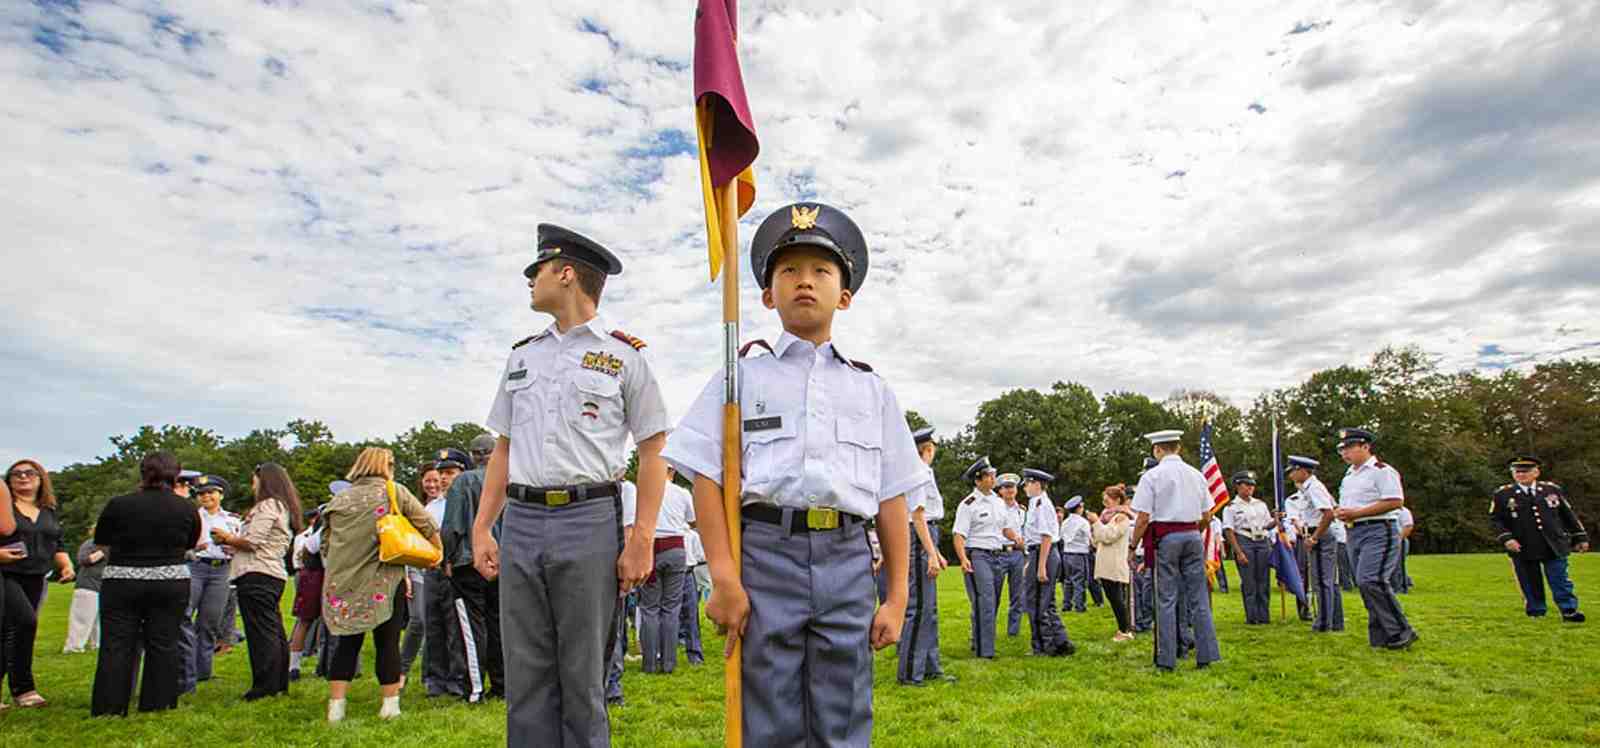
x: 1483, y: 674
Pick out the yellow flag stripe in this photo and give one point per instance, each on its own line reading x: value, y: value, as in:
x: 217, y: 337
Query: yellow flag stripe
x: 714, y: 239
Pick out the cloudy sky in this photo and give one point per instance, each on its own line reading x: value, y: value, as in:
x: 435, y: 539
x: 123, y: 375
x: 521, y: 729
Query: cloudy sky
x: 232, y: 214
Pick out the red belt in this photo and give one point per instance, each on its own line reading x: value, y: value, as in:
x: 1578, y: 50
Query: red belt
x: 1159, y: 530
x: 667, y: 544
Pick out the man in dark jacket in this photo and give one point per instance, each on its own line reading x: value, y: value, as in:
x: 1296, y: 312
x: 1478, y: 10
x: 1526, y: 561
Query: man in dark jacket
x: 1534, y: 521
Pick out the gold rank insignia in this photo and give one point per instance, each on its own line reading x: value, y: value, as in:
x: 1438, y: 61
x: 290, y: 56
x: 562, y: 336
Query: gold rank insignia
x: 803, y: 219
x: 204, y: 479
x: 604, y: 363
x: 444, y: 454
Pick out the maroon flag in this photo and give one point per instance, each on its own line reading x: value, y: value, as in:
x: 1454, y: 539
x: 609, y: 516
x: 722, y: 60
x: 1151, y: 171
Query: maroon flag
x: 719, y: 86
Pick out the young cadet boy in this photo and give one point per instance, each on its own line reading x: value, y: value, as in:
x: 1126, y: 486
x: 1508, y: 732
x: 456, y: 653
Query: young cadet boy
x: 826, y: 447
x: 564, y: 408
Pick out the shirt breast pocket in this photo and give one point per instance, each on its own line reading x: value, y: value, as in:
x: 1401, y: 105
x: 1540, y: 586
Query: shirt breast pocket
x: 861, y: 452
x: 594, y: 402
x: 765, y: 449
x: 524, y: 399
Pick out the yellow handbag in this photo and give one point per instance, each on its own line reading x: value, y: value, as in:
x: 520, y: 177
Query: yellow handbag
x: 400, y: 543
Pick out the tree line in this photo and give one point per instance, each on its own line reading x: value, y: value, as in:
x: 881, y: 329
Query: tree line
x: 1449, y: 434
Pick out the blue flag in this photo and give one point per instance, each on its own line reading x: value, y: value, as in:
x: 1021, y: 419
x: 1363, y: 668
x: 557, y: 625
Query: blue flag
x: 1282, y: 552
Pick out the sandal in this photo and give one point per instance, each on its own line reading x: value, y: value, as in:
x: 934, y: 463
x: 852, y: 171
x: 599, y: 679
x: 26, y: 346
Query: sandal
x: 31, y: 700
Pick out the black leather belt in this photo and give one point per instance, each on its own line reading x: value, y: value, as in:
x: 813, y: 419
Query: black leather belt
x: 213, y: 561
x: 561, y: 495
x: 800, y: 520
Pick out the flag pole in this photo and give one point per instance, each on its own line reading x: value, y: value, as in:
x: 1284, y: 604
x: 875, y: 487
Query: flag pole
x: 732, y: 443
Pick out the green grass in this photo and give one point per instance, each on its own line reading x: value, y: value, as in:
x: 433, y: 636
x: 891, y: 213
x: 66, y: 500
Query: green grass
x: 1482, y: 674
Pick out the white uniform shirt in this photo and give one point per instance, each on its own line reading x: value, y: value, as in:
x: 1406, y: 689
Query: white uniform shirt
x: 435, y: 509
x: 818, y: 433
x: 1314, y: 498
x: 1337, y: 532
x: 569, y: 402
x: 932, y: 500
x: 1015, y: 516
x: 677, y: 511
x: 1249, y: 518
x: 1075, y: 534
x: 1369, y: 483
x: 1172, y: 491
x: 694, y: 551
x: 630, y: 503
x: 1405, y: 518
x: 979, y: 518
x: 1216, y: 527
x: 224, y: 520
x: 1041, y: 521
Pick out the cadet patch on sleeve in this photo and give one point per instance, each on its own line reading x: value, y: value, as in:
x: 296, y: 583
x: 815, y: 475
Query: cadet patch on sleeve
x: 637, y: 344
x: 602, y: 362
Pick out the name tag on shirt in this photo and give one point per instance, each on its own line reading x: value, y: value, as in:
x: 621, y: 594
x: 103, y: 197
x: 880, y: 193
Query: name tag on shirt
x: 518, y: 374
x: 763, y: 424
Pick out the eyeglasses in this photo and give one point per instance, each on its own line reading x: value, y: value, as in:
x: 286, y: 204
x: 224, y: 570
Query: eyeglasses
x: 24, y: 473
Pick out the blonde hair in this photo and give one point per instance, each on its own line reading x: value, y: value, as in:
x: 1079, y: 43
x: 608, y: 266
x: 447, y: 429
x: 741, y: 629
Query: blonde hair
x: 373, y: 461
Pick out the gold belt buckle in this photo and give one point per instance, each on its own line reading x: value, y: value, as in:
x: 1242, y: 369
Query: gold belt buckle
x: 822, y: 519
x: 557, y: 498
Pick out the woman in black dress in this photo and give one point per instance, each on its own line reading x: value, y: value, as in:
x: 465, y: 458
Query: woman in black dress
x: 27, y: 556
x: 144, y: 590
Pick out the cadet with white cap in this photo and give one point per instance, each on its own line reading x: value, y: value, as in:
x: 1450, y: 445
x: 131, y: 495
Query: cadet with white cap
x: 1012, y: 561
x: 1370, y: 497
x: 1248, y: 523
x: 1171, y: 501
x: 203, y: 624
x: 1075, y: 542
x: 565, y: 407
x: 1322, y: 551
x: 1049, y: 636
x: 980, y: 532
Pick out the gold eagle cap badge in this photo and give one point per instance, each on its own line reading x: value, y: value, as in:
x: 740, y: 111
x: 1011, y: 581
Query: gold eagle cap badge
x: 804, y: 219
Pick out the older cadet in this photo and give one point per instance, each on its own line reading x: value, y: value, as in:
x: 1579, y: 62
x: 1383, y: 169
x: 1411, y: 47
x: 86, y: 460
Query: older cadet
x: 1322, y: 550
x: 1171, y: 501
x: 932, y: 506
x: 1369, y: 499
x: 917, y: 634
x: 565, y: 406
x: 1011, y: 558
x: 980, y: 532
x: 1247, y: 521
x: 1536, y: 524
x: 1075, y: 543
x: 1049, y: 636
x: 827, y: 447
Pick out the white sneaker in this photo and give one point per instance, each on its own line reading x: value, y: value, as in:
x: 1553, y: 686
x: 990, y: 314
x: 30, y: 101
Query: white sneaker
x: 335, y: 711
x: 390, y: 708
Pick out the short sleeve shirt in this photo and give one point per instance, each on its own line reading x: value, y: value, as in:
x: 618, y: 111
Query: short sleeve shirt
x: 979, y: 519
x: 1369, y: 483
x: 932, y: 500
x: 568, y: 403
x: 819, y: 432
x: 677, y: 511
x: 1075, y: 532
x: 1172, y: 491
x: 1041, y: 520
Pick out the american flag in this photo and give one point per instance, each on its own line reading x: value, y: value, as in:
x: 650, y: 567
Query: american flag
x: 1213, y: 473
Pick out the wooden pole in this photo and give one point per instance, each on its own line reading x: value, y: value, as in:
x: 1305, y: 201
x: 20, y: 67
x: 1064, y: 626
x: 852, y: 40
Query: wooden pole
x: 732, y: 442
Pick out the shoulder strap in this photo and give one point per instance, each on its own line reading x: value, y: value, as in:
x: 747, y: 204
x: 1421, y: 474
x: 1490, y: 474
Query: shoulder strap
x: 629, y: 339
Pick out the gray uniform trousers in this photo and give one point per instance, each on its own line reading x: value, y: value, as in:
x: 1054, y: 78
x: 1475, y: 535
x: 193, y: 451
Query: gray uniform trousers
x: 1255, y: 579
x: 1144, y: 599
x: 807, y: 665
x: 1048, y: 635
x: 1009, y: 573
x: 1180, y: 558
x: 933, y: 668
x: 558, y: 596
x: 916, y: 636
x: 1347, y: 572
x: 1078, y: 573
x: 660, y: 601
x: 980, y: 592
x: 1325, y: 572
x: 416, y: 620
x: 616, y: 653
x: 201, y: 627
x: 1377, y: 546
x: 1401, y: 582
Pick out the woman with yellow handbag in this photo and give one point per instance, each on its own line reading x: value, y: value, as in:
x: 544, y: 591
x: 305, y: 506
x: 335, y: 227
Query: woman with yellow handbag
x: 372, y: 532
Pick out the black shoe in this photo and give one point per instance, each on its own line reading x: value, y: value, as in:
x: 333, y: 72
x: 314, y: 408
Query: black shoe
x: 911, y: 683
x: 1575, y: 616
x: 294, y: 675
x: 1405, y: 641
x: 253, y: 695
x: 1201, y: 665
x: 614, y: 701
x: 1066, y: 649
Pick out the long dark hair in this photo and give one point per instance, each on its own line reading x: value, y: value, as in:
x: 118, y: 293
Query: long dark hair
x: 45, y: 496
x: 159, y: 470
x: 274, y: 484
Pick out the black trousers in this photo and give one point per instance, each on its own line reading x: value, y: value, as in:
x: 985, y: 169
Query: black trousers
x: 139, y: 615
x: 259, y: 598
x: 443, y: 661
x: 386, y: 637
x: 1117, y: 595
x: 479, y: 601
x: 23, y: 594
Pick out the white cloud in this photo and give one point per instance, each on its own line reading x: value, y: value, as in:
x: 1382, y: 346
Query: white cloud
x: 233, y: 215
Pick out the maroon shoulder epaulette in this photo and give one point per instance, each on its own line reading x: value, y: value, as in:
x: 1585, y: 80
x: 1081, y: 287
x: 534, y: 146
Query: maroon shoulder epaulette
x: 745, y: 349
x: 637, y: 344
x: 970, y: 499
x: 860, y: 366
x: 1379, y: 463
